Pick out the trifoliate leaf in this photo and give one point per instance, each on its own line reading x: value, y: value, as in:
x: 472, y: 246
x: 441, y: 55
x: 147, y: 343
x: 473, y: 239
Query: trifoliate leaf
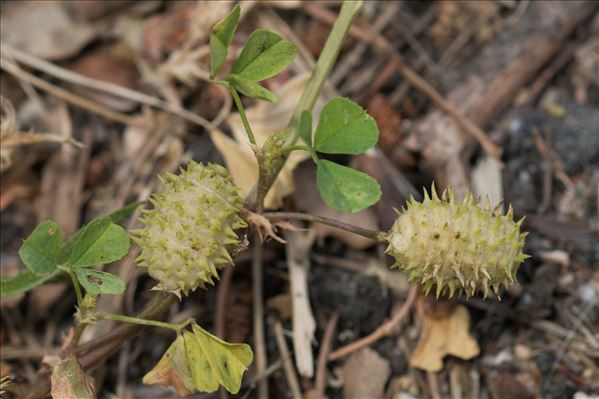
x: 40, y: 250
x: 97, y: 282
x: 344, y: 188
x: 264, y: 54
x: 102, y: 242
x: 344, y: 128
x: 199, y: 361
x: 220, y: 39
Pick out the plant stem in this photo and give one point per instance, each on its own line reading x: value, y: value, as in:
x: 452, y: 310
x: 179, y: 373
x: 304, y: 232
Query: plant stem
x: 77, y: 288
x: 321, y: 71
x: 323, y: 66
x: 294, y: 148
x: 375, y: 235
x: 244, y: 119
x: 143, y: 322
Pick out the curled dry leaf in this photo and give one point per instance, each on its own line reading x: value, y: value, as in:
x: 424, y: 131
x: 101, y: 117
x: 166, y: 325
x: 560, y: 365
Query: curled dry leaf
x: 266, y: 120
x: 444, y: 333
x: 70, y: 382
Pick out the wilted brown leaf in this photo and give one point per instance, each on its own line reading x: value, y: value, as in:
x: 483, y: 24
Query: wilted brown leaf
x: 443, y: 333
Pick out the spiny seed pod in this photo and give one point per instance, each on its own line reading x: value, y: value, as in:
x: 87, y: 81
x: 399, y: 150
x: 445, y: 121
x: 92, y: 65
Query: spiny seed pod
x: 459, y: 247
x: 188, y: 234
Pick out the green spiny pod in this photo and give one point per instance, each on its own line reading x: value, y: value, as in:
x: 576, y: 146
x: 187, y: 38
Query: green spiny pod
x: 459, y: 247
x: 188, y: 235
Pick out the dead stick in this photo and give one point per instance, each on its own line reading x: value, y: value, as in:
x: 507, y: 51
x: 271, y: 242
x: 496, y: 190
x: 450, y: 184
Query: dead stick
x: 384, y: 330
x: 325, y: 348
x: 74, y: 99
x: 296, y: 393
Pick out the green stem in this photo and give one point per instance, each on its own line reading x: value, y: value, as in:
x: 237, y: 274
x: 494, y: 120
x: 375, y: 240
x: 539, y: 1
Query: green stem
x: 77, y: 288
x: 323, y: 66
x: 372, y: 234
x: 244, y: 119
x: 321, y: 71
x: 143, y: 322
x: 294, y: 148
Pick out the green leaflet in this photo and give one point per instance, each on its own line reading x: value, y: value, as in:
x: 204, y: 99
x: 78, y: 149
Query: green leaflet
x: 97, y: 282
x: 101, y: 242
x: 345, y: 128
x: 344, y: 188
x: 40, y: 250
x: 220, y: 40
x: 264, y: 54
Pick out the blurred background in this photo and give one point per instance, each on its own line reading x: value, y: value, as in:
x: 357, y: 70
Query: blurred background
x: 497, y: 97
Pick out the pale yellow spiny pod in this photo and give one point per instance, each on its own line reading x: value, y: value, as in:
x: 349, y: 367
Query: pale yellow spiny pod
x: 456, y: 246
x: 190, y: 232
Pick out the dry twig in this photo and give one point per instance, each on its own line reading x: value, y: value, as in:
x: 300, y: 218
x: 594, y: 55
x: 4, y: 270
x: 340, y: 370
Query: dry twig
x: 383, y: 330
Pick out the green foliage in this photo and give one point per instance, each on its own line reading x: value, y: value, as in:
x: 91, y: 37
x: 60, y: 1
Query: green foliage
x: 345, y: 128
x: 40, y: 250
x: 251, y: 89
x: 23, y: 282
x: 99, y: 242
x: 220, y: 39
x: 97, y: 282
x: 345, y: 188
x: 199, y: 361
x: 264, y: 55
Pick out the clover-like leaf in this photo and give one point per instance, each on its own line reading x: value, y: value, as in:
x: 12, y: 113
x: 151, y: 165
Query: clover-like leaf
x: 97, y: 282
x: 251, y: 89
x: 23, y: 282
x: 344, y: 188
x: 345, y: 128
x: 101, y: 242
x: 40, y: 250
x: 116, y: 217
x: 264, y: 54
x: 199, y: 361
x: 220, y: 40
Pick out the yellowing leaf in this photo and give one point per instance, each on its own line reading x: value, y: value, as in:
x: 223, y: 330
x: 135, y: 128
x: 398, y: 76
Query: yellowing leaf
x: 173, y: 369
x: 266, y: 119
x: 70, y: 382
x: 199, y: 361
x: 441, y: 336
x: 215, y: 361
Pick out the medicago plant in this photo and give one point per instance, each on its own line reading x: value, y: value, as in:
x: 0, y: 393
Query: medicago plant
x: 194, y: 225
